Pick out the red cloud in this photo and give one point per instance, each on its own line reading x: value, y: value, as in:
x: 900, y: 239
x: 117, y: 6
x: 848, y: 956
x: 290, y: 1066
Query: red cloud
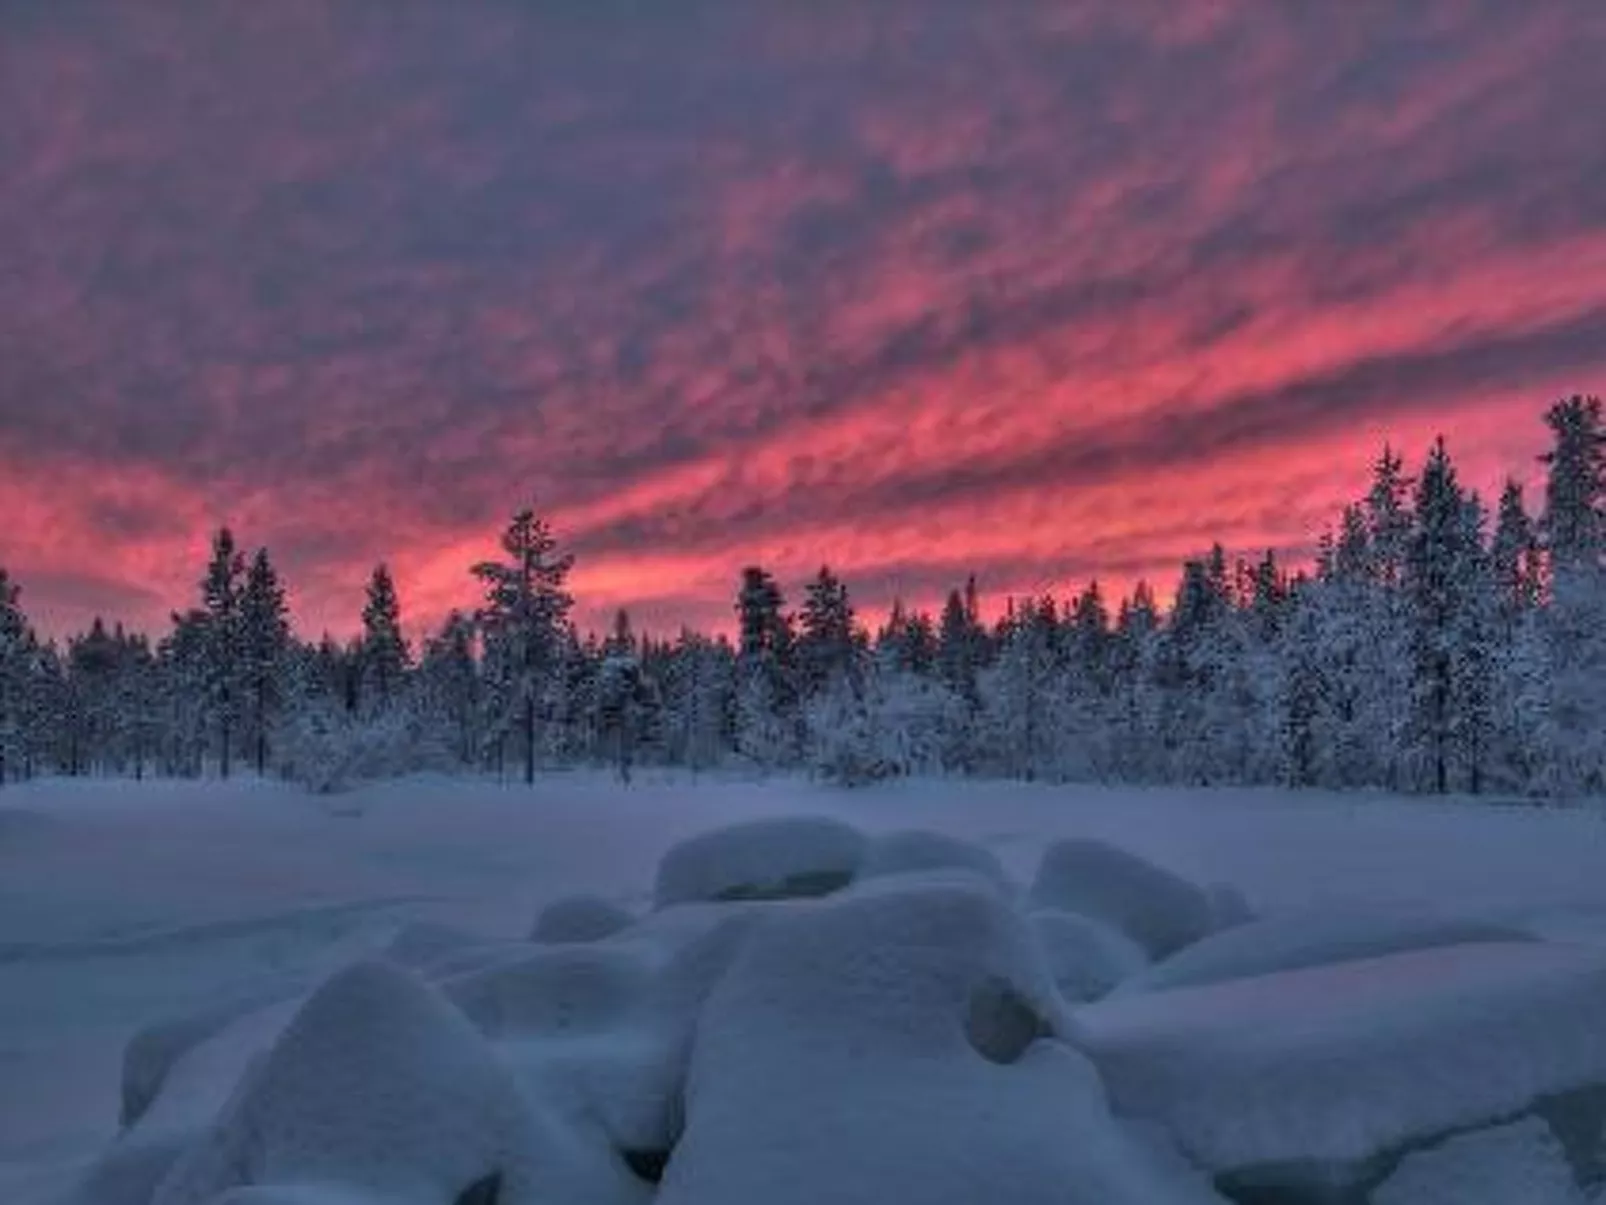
x: 1049, y: 292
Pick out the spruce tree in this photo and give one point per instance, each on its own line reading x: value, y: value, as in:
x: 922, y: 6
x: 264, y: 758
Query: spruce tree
x: 523, y: 618
x: 383, y: 655
x: 16, y: 671
x: 1574, y: 531
x: 221, y: 595
x: 1449, y: 592
x: 768, y: 708
x: 264, y: 646
x: 449, y: 677
x: 827, y: 645
x: 1514, y: 555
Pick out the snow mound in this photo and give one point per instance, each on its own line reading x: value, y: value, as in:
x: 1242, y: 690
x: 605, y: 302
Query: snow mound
x: 380, y: 1087
x: 1086, y: 958
x: 1517, y: 1164
x: 898, y: 1046
x: 1228, y: 906
x: 201, y: 1079
x: 151, y: 1054
x: 565, y: 989
x: 580, y: 918
x: 1310, y: 1076
x: 791, y: 858
x: 916, y: 851
x: 1294, y: 941
x: 128, y: 1173
x: 601, y: 1033
x: 422, y: 944
x: 1159, y: 910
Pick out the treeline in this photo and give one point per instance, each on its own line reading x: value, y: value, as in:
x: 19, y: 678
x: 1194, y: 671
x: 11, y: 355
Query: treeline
x: 1435, y: 646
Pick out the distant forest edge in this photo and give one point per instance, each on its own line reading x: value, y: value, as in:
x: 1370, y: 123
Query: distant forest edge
x: 1433, y: 647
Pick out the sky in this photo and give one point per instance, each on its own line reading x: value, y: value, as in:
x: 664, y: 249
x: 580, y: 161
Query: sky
x: 1043, y: 291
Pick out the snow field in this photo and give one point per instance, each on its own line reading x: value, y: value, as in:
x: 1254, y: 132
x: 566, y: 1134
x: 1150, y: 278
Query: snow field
x: 811, y: 1009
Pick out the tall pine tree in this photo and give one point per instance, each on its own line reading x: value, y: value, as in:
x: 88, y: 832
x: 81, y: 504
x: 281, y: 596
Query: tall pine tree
x: 523, y: 619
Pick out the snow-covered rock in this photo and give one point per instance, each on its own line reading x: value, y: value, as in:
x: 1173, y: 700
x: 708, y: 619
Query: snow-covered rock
x: 916, y: 851
x: 562, y: 990
x: 797, y: 857
x: 1293, y: 941
x: 1310, y: 1076
x: 579, y: 918
x: 1228, y: 906
x: 1159, y: 910
x: 150, y: 1055
x: 1518, y: 1164
x: 1086, y: 958
x: 601, y: 1033
x: 897, y: 1046
x: 201, y: 1079
x: 380, y: 1087
x: 128, y: 1172
x: 420, y: 945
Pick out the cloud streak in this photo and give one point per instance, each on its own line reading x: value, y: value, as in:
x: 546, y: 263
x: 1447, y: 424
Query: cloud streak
x: 1049, y: 290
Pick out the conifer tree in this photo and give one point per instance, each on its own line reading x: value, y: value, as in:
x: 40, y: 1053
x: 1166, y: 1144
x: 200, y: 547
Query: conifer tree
x: 264, y: 646
x: 383, y: 655
x: 16, y: 671
x: 768, y: 708
x: 523, y: 618
x: 450, y: 680
x: 221, y: 594
x: 1573, y: 527
x: 827, y: 644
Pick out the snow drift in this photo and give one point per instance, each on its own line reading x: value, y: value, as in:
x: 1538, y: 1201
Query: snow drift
x: 808, y: 1015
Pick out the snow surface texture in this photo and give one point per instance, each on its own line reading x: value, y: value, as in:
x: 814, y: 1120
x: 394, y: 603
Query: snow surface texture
x: 1308, y: 1076
x: 769, y: 859
x: 1518, y: 1164
x: 1310, y: 939
x: 1156, y: 909
x: 579, y: 918
x: 913, y: 1010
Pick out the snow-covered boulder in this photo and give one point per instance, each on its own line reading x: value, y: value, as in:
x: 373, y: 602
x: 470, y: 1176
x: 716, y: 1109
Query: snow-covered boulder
x: 129, y: 1171
x: 562, y: 990
x: 1518, y: 1164
x: 580, y: 918
x: 1228, y: 906
x: 898, y: 1046
x: 1086, y: 958
x: 600, y: 1033
x: 791, y: 858
x: 1315, y: 1077
x: 419, y: 945
x: 1159, y: 910
x: 202, y: 1078
x: 1297, y: 940
x: 379, y: 1087
x: 915, y: 851
x: 150, y: 1055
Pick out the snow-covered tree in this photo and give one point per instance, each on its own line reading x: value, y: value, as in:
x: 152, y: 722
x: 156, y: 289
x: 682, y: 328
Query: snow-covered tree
x: 769, y: 719
x: 1574, y: 531
x: 17, y: 654
x: 264, y: 644
x: 523, y: 618
x: 827, y: 644
x: 383, y: 655
x: 221, y: 596
x: 449, y: 688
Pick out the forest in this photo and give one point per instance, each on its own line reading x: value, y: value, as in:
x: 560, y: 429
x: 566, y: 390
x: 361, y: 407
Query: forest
x: 1437, y: 644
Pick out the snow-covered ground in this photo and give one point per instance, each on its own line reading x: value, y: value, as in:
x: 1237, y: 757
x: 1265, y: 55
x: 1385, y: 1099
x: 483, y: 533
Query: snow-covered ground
x: 124, y: 904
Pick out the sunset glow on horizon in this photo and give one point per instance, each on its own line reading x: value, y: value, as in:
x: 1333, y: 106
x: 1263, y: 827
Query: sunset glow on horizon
x: 1038, y: 291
